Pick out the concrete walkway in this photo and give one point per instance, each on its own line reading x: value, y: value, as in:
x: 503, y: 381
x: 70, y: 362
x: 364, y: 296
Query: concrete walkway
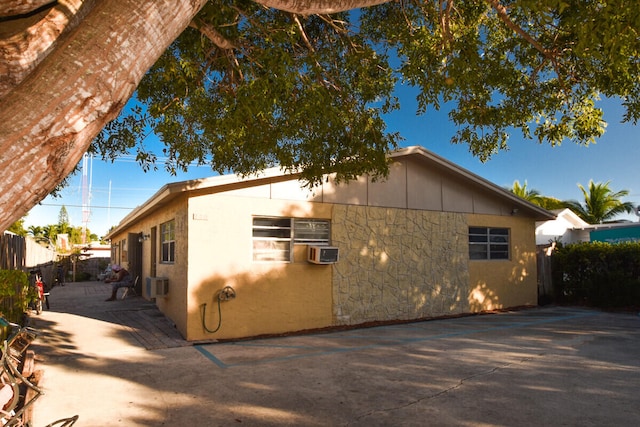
x: 123, y: 364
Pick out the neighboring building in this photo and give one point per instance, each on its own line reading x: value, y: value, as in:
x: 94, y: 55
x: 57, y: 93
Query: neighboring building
x: 565, y: 228
x: 94, y: 250
x: 569, y: 228
x: 94, y: 257
x: 620, y: 232
x: 432, y: 240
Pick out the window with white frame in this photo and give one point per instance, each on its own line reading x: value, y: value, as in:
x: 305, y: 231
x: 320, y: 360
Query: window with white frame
x: 488, y: 243
x: 168, y: 242
x: 311, y: 231
x: 274, y: 237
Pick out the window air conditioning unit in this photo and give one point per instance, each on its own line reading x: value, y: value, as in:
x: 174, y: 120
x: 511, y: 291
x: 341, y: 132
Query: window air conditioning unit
x: 157, y: 287
x: 322, y: 254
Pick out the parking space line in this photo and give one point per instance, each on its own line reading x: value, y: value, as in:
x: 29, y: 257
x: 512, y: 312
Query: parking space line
x: 316, y: 351
x: 210, y: 356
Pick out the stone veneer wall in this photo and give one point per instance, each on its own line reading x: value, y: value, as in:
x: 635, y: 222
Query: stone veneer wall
x: 398, y: 264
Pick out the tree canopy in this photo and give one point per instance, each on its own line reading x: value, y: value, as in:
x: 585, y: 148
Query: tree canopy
x: 253, y: 84
x: 248, y: 87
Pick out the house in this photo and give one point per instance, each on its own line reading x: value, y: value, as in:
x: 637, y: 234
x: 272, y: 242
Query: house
x: 618, y: 232
x: 569, y: 228
x: 226, y: 257
x: 566, y: 227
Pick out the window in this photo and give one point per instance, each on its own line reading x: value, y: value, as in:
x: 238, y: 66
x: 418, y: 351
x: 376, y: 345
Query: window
x: 168, y: 241
x: 488, y: 243
x: 124, y: 257
x: 311, y: 231
x: 273, y: 237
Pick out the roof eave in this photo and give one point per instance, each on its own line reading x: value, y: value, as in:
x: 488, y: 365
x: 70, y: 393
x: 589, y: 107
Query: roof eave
x: 169, y: 191
x: 221, y: 183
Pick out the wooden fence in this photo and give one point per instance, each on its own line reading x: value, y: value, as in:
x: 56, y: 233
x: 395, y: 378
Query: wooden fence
x: 13, y: 251
x: 23, y: 253
x: 545, y: 284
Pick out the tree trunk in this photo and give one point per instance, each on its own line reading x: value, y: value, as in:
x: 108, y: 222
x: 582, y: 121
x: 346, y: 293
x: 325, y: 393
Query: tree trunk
x: 48, y: 121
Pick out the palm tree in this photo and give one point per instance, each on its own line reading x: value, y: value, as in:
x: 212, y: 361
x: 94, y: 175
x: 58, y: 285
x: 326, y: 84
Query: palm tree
x: 534, y: 196
x: 523, y: 192
x: 551, y: 203
x: 600, y: 203
x: 35, y: 231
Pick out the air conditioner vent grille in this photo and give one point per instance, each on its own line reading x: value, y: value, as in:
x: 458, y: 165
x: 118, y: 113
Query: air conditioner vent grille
x: 322, y: 254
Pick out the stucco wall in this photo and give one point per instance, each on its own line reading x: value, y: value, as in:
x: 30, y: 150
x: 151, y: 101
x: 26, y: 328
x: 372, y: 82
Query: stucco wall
x: 496, y: 284
x: 271, y: 297
x: 174, y: 304
x: 398, y: 264
x: 395, y: 264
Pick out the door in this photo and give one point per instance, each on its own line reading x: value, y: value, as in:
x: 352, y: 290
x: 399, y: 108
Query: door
x: 154, y: 252
x: 135, y: 258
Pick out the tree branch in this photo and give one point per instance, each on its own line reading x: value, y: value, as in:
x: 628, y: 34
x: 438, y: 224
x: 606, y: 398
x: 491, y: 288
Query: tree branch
x: 314, y: 7
x: 25, y: 43
x: 48, y: 121
x: 302, y: 33
x: 504, y: 16
x: 445, y: 19
x: 212, y: 34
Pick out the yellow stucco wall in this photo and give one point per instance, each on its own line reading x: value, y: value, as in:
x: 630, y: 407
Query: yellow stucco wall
x: 403, y: 255
x: 175, y: 303
x: 395, y: 264
x: 496, y: 284
x: 271, y: 298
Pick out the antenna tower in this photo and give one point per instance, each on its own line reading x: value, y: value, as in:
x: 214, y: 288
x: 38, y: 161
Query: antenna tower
x: 87, y: 177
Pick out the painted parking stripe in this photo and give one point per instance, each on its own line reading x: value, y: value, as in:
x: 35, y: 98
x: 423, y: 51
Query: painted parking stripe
x: 316, y: 351
x: 210, y: 356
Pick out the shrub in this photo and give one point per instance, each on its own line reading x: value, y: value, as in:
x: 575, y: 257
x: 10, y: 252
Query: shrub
x: 597, y: 274
x: 15, y: 294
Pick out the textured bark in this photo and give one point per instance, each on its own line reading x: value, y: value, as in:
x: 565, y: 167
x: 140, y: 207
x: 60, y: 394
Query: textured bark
x: 310, y: 7
x: 25, y: 42
x: 21, y: 7
x: 49, y: 119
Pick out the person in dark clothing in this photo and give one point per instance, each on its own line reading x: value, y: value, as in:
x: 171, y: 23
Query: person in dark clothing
x: 122, y: 279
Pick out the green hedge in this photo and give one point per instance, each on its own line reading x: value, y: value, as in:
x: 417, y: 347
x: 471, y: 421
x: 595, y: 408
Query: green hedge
x: 597, y: 274
x: 15, y: 295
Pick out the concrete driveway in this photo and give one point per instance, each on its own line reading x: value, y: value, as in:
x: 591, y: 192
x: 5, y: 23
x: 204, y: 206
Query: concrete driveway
x: 121, y: 364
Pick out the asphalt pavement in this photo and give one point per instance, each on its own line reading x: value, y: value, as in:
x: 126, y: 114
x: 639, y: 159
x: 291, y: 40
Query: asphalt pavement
x: 122, y: 363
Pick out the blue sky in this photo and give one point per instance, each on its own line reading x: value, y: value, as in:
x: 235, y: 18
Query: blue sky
x: 117, y: 188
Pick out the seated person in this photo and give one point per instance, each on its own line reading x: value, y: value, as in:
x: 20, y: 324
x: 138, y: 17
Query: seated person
x: 122, y: 279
